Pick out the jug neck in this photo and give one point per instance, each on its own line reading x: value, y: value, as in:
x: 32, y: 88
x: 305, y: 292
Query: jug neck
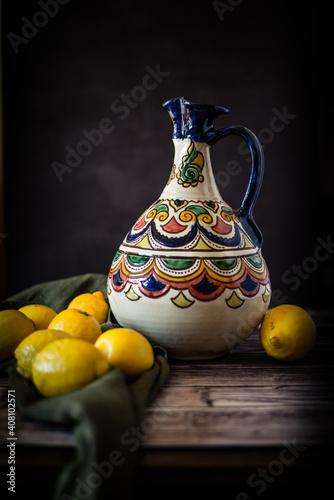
x: 191, y: 177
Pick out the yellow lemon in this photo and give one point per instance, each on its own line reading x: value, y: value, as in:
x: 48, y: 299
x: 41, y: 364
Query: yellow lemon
x: 287, y: 332
x: 29, y: 347
x: 77, y: 323
x: 40, y: 314
x: 14, y: 327
x: 126, y: 349
x: 66, y: 365
x: 93, y: 304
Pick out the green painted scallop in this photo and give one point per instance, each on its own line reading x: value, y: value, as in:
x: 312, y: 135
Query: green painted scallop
x: 178, y: 263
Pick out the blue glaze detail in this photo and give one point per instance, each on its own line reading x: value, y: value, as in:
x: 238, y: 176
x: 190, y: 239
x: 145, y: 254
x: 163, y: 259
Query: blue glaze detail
x: 179, y: 241
x: 196, y: 121
x: 248, y: 284
x: 192, y: 120
x: 211, y: 204
x: 152, y: 284
x: 174, y: 242
x: 205, y: 287
x: 245, y: 212
x: 117, y: 279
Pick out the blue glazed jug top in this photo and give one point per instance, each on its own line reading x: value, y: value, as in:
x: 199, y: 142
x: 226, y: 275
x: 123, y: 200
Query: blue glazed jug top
x: 193, y: 120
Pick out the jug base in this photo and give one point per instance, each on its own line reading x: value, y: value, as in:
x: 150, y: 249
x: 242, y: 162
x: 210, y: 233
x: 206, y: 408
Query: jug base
x: 206, y: 330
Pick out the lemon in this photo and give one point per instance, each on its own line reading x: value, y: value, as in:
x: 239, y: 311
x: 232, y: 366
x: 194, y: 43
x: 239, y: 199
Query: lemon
x: 77, y: 324
x: 126, y: 349
x: 93, y: 304
x: 40, y: 314
x: 287, y: 332
x: 66, y: 365
x: 14, y: 327
x: 29, y: 347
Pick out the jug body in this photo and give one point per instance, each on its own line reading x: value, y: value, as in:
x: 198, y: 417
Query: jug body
x: 190, y: 274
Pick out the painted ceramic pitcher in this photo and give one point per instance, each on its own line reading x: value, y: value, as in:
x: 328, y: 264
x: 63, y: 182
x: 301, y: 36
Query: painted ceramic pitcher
x: 189, y: 275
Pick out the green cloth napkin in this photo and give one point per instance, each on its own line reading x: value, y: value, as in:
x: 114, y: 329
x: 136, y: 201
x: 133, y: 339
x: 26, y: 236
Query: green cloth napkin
x: 58, y: 293
x: 107, y: 415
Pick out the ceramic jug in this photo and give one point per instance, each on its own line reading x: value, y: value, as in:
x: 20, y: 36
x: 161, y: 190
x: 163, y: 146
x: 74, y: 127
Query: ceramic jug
x: 189, y: 274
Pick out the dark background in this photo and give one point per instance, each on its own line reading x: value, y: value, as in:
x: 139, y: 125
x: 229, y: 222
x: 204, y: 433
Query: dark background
x: 254, y: 58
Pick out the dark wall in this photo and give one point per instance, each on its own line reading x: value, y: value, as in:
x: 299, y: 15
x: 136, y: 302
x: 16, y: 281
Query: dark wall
x: 85, y: 66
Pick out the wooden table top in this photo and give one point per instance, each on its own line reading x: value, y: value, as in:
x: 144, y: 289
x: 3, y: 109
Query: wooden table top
x: 224, y: 420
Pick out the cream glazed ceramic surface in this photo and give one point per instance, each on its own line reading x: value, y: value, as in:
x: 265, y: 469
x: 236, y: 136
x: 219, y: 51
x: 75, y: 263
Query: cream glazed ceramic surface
x: 190, y: 275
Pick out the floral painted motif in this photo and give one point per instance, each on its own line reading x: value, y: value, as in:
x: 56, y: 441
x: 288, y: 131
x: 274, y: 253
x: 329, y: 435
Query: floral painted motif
x: 204, y: 279
x: 190, y: 171
x: 154, y: 257
x: 187, y: 225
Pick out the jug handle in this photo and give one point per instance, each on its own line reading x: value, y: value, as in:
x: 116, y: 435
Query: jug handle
x: 245, y: 212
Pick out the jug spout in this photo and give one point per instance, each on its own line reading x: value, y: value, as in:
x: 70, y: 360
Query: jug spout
x: 193, y: 120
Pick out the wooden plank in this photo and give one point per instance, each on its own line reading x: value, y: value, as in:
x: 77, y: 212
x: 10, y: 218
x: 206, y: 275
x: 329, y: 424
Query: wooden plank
x: 205, y: 427
x: 244, y: 396
x: 251, y: 354
x: 212, y: 416
x: 229, y: 375
x: 33, y: 432
x: 243, y: 399
x: 235, y: 426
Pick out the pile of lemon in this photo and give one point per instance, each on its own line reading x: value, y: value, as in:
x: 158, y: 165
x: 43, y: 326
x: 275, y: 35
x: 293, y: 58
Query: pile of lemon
x: 63, y: 352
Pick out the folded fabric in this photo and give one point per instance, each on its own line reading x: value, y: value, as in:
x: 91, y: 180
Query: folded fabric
x: 107, y: 415
x: 57, y: 294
